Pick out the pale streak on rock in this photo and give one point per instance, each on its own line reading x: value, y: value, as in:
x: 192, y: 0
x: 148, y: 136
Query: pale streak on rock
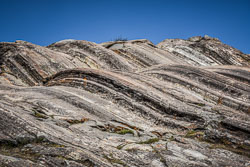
x: 124, y: 103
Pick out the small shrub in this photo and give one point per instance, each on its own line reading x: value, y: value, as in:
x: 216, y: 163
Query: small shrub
x: 120, y: 39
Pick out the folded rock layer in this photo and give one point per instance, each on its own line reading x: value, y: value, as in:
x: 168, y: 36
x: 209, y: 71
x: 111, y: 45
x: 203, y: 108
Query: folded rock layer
x: 124, y: 103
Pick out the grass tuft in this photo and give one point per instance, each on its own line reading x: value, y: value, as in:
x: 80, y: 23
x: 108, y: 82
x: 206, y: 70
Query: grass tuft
x: 125, y: 131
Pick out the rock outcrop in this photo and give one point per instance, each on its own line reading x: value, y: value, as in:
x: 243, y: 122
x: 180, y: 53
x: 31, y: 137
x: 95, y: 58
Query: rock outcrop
x: 124, y: 103
x: 204, y: 51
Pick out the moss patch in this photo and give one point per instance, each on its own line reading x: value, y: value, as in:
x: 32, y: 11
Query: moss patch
x: 119, y: 147
x: 125, y: 131
x: 201, y: 104
x: 39, y: 115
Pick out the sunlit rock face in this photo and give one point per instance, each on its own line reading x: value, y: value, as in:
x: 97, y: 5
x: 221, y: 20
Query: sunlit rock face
x: 124, y: 103
x: 204, y: 51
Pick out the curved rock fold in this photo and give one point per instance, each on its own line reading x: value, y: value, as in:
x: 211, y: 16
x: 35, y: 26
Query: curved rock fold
x: 124, y: 103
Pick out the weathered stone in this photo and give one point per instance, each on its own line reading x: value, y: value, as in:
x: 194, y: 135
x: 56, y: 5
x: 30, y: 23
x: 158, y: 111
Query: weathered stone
x: 204, y: 51
x: 124, y: 103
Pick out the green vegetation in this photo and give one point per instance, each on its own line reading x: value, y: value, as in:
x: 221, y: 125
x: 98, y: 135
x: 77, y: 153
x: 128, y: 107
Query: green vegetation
x: 120, y: 39
x: 119, y: 147
x: 125, y: 131
x: 194, y: 134
x: 39, y: 115
x: 201, y: 104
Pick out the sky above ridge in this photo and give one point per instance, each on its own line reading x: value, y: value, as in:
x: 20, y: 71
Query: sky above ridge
x: 46, y: 21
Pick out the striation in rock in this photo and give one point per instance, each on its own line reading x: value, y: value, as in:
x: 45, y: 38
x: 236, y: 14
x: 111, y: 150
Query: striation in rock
x: 204, y: 51
x: 125, y: 104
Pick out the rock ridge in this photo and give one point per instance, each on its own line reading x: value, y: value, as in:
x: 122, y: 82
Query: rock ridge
x: 124, y: 104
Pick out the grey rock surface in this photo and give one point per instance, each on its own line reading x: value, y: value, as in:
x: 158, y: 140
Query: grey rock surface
x: 204, y: 51
x: 125, y: 104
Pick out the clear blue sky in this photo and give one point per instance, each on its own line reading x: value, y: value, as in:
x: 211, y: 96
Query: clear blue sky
x: 46, y: 21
